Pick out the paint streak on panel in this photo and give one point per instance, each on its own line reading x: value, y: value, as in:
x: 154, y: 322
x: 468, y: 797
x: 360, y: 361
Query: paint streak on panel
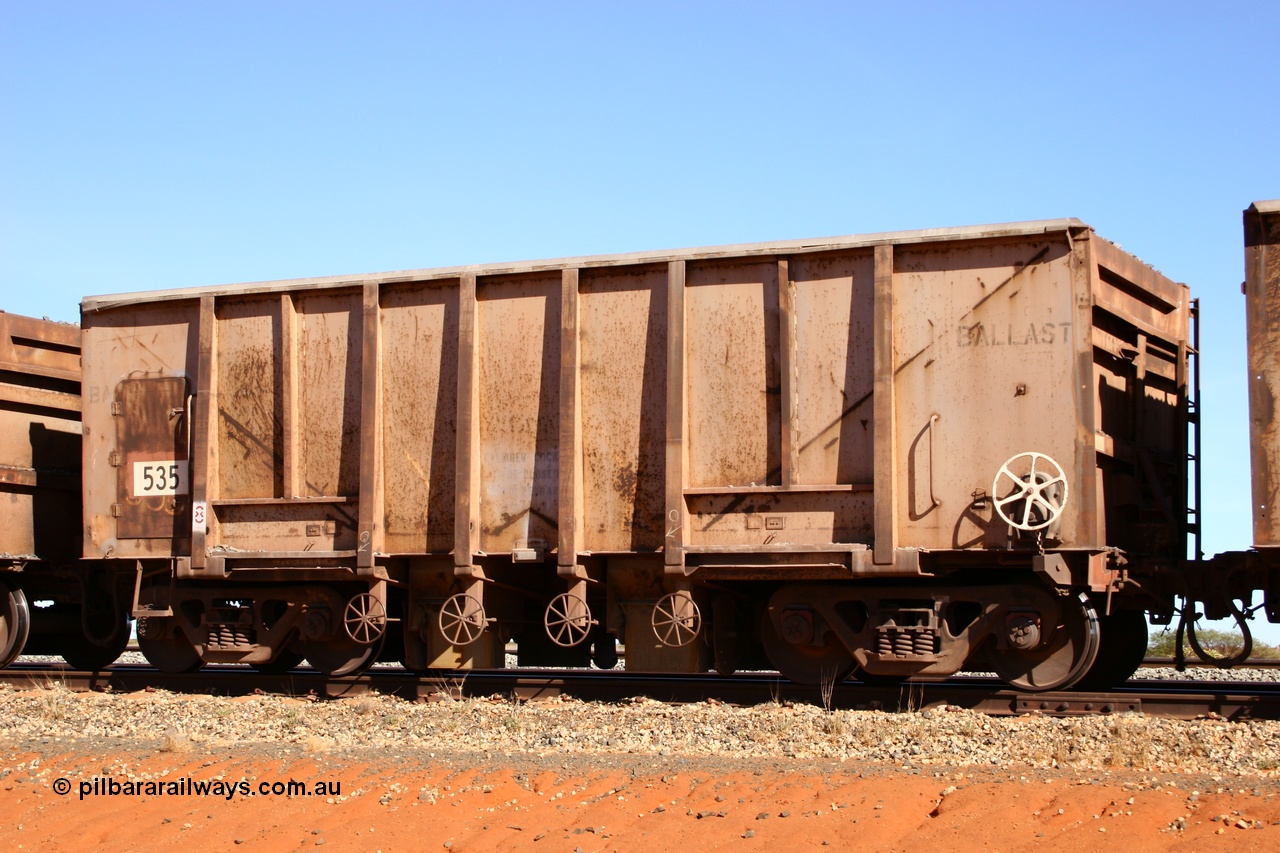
x: 329, y: 362
x: 250, y: 430
x: 733, y: 374
x: 519, y: 410
x: 623, y: 318
x: 419, y: 415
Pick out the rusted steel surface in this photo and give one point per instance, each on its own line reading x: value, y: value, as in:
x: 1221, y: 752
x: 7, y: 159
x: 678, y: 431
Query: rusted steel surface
x: 419, y: 388
x: 39, y: 439
x: 1262, y: 306
x: 606, y: 432
x: 145, y: 344
x: 153, y: 460
x: 622, y: 322
x: 518, y: 401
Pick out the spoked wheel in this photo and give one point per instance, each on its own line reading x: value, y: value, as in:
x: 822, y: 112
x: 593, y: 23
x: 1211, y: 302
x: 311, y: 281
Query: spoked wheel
x: 341, y: 655
x: 462, y: 619
x: 1223, y: 657
x: 568, y: 620
x: 287, y: 660
x: 162, y: 643
x: 806, y: 663
x: 365, y: 619
x: 676, y: 619
x: 15, y: 624
x: 1122, y: 649
x: 1034, y: 490
x: 1057, y: 662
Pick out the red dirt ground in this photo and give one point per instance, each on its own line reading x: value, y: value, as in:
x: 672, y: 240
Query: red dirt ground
x: 424, y: 803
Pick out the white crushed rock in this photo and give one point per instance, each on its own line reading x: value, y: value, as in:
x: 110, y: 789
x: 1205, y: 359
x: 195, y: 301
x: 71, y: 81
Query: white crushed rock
x: 1208, y: 673
x: 642, y: 727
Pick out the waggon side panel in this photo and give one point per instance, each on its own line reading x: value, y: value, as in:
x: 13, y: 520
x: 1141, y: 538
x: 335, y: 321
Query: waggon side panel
x: 250, y: 413
x: 34, y: 347
x: 733, y: 374
x: 131, y: 344
x: 330, y: 342
x: 286, y: 445
x: 1139, y: 340
x: 1262, y: 307
x: 39, y: 439
x: 518, y: 407
x: 833, y: 373
x: 623, y: 365
x: 984, y: 360
x: 419, y: 345
x: 773, y: 386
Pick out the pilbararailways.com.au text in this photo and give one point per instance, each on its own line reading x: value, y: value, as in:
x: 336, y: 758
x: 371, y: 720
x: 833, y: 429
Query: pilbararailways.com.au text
x: 188, y: 787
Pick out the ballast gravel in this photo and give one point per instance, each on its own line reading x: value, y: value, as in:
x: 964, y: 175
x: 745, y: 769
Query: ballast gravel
x: 644, y: 728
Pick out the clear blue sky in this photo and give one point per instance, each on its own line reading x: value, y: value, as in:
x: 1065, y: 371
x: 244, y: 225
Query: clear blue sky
x: 153, y: 145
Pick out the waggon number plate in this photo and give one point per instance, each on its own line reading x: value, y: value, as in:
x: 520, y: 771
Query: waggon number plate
x: 159, y: 477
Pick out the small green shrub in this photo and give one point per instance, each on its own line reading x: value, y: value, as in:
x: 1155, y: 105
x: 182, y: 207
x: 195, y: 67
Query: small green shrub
x: 1212, y: 640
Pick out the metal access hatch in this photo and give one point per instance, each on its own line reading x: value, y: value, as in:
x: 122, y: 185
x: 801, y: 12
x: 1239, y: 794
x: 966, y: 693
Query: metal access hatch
x: 152, y: 459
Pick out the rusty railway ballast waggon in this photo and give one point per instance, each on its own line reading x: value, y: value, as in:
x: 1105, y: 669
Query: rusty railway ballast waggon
x: 51, y: 601
x: 891, y: 456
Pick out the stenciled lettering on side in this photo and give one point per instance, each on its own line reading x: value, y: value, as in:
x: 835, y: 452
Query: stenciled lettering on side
x: 1012, y: 334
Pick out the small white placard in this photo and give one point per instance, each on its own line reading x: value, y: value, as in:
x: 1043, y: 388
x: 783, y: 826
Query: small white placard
x: 160, y: 477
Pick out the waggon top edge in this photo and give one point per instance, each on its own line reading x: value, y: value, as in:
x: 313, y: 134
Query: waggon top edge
x: 103, y: 302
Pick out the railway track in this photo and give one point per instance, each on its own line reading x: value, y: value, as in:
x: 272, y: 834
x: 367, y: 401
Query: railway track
x: 1174, y: 699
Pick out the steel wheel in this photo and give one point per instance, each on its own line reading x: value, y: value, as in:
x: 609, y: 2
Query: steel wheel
x: 165, y: 646
x: 726, y: 640
x: 15, y: 624
x: 1123, y: 645
x: 604, y: 651
x: 84, y: 654
x: 365, y: 619
x: 568, y: 620
x: 806, y: 663
x: 1058, y: 662
x: 676, y: 619
x: 283, y: 662
x: 462, y: 619
x: 341, y: 656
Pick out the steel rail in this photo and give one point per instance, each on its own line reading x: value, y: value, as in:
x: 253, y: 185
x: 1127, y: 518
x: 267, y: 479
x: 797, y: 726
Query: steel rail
x: 1174, y: 699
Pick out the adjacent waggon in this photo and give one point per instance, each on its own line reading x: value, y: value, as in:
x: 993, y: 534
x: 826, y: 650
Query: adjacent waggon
x: 1261, y: 567
x: 888, y: 456
x: 51, y: 601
